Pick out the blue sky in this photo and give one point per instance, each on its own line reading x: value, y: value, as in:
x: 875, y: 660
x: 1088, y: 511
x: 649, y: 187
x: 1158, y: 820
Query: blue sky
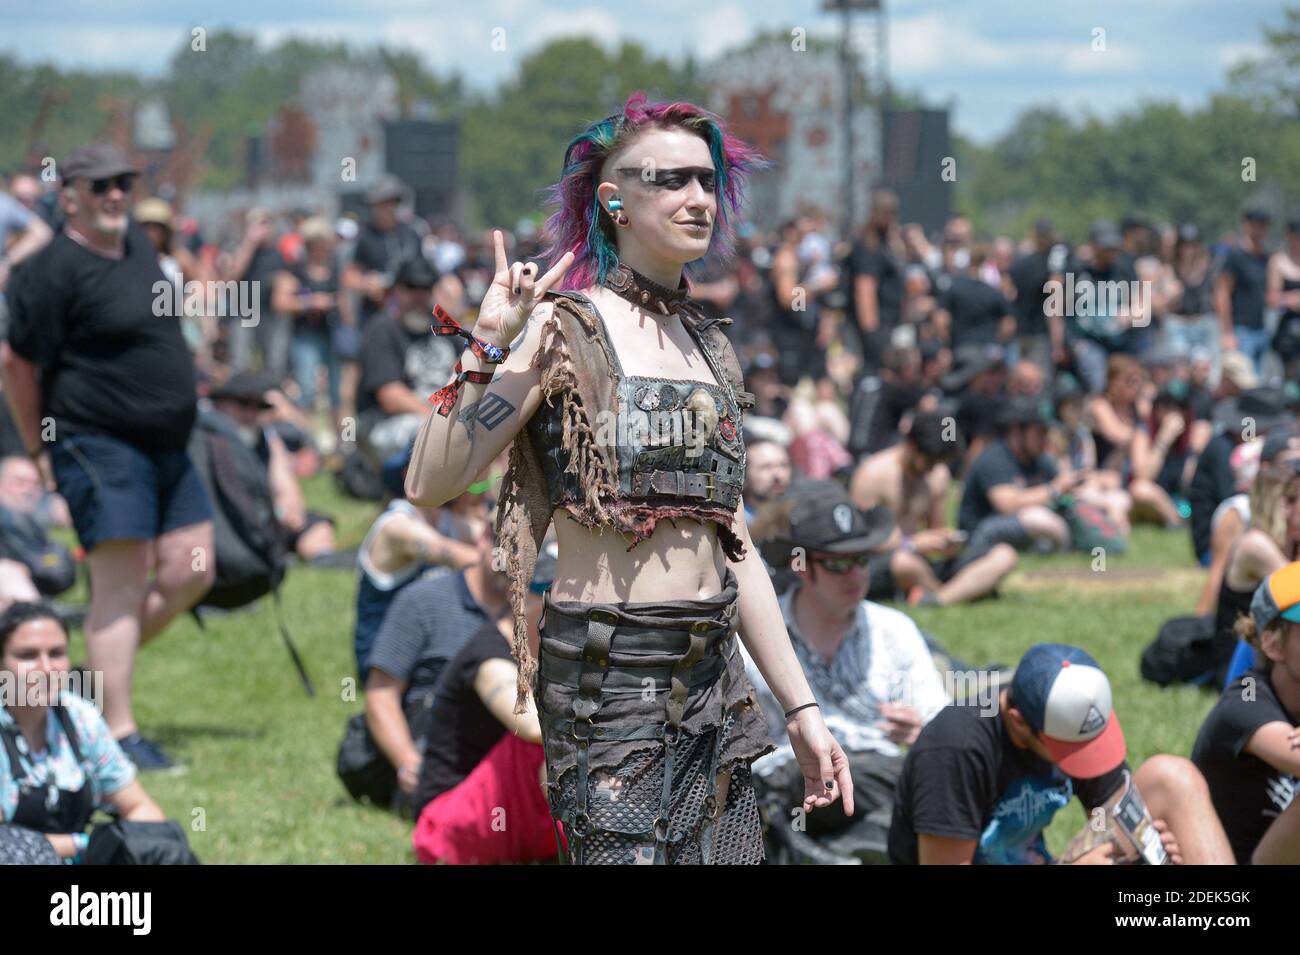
x: 990, y: 58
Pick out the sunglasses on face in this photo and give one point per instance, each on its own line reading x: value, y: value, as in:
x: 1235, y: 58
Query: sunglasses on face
x: 844, y: 563
x: 677, y: 178
x: 125, y: 182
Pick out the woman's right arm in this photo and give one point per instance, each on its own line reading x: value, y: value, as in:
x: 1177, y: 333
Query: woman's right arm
x: 450, y: 451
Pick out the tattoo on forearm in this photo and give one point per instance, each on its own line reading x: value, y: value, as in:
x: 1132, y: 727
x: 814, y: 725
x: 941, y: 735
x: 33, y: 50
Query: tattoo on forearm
x: 492, y: 693
x: 490, y: 410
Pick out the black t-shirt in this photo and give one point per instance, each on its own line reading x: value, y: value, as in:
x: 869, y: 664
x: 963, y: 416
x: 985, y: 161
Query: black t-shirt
x: 1029, y: 274
x: 423, y: 361
x: 977, y: 414
x: 880, y: 265
x: 108, y: 363
x: 262, y: 267
x: 377, y: 251
x: 313, y: 319
x: 994, y: 467
x: 1249, y: 271
x: 1201, y: 401
x: 1212, y: 484
x: 975, y: 308
x: 1095, y: 311
x: 463, y: 729
x: 1248, y: 793
x: 896, y: 400
x: 965, y: 779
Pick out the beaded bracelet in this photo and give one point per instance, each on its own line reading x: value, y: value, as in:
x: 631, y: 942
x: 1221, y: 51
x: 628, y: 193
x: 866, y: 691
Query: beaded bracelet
x: 491, y: 354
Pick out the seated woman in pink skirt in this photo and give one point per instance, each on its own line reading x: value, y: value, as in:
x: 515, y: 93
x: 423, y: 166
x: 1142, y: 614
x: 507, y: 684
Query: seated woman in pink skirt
x: 479, y: 798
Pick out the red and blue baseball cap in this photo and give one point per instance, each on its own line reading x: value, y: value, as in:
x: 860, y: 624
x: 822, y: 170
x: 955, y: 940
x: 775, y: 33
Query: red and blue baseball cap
x: 1063, y: 694
x: 1278, y: 596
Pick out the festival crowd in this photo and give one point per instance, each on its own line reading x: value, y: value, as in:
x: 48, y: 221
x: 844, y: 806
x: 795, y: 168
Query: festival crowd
x: 929, y: 409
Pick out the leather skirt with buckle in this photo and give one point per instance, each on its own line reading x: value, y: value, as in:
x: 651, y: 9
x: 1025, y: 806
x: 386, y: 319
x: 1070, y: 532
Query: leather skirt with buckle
x: 649, y: 726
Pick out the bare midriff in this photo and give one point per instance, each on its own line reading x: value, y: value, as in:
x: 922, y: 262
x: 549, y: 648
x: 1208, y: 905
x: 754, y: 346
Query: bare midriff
x: 682, y: 562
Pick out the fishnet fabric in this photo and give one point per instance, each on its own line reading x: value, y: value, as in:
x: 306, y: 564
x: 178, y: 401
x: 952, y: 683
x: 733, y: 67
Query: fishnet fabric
x: 624, y: 803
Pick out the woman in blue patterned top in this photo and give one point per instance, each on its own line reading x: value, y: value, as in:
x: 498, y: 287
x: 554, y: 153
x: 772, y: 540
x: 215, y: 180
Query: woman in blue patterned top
x: 58, y: 759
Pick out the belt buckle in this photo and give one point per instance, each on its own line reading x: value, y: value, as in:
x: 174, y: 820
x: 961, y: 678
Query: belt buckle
x: 709, y: 486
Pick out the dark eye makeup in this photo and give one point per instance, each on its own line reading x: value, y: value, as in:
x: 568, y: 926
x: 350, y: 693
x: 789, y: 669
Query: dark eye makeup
x: 678, y: 178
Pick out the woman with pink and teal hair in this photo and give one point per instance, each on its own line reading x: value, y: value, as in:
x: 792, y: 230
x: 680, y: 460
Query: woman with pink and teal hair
x: 582, y: 223
x: 622, y: 403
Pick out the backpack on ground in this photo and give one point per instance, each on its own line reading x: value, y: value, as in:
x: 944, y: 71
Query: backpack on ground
x: 363, y: 768
x: 1186, y: 650
x: 247, y: 536
x: 360, y: 478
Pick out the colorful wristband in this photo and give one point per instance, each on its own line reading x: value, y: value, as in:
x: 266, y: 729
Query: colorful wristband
x: 488, y: 352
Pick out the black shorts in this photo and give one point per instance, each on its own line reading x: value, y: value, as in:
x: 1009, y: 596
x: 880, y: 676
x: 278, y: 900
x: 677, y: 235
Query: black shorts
x: 291, y: 538
x: 116, y: 490
x: 882, y: 586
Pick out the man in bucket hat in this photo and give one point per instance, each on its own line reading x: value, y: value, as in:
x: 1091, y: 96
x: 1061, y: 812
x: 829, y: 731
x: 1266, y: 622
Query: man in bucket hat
x: 983, y: 788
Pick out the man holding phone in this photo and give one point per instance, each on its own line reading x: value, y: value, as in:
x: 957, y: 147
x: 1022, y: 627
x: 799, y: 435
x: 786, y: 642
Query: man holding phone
x: 1013, y: 486
x: 982, y: 788
x: 924, y: 559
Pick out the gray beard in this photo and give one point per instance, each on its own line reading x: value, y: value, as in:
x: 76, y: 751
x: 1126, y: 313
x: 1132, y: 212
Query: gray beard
x: 416, y: 322
x: 118, y: 230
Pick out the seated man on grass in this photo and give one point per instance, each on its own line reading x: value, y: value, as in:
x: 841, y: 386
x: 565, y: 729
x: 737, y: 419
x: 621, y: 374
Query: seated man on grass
x: 982, y: 789
x: 925, y: 560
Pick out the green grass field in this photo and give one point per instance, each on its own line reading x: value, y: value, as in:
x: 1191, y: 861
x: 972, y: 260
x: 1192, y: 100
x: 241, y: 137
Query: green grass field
x: 259, y: 754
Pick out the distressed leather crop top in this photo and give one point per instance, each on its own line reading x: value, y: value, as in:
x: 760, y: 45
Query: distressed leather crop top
x: 617, y: 450
x: 676, y: 444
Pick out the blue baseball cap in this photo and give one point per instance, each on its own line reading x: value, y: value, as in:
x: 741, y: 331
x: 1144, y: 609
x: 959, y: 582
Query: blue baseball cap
x: 1063, y: 694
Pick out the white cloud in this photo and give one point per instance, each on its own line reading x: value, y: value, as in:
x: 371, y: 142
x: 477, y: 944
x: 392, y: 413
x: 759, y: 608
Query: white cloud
x: 719, y: 30
x: 1232, y: 54
x: 600, y: 25
x: 1082, y: 60
x: 923, y: 44
x: 123, y: 47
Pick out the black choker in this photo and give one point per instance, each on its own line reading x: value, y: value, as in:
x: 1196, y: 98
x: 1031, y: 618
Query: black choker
x: 630, y: 284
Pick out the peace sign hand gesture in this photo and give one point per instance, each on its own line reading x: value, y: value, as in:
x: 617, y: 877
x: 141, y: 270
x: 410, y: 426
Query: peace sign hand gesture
x: 513, y: 295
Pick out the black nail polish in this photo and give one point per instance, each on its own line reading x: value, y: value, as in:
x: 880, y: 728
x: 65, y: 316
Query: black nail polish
x: 830, y: 784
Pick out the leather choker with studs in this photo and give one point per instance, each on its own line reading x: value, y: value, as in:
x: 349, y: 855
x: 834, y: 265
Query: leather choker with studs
x: 644, y: 292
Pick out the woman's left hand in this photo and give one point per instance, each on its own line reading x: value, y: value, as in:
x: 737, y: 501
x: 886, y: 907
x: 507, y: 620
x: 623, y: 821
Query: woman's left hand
x: 824, y: 765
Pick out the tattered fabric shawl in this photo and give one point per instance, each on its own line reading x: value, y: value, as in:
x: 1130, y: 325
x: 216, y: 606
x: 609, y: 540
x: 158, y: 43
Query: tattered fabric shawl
x: 576, y: 369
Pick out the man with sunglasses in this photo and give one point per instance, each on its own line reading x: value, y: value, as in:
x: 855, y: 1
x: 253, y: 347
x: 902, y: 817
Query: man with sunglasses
x: 103, y: 392
x: 869, y: 668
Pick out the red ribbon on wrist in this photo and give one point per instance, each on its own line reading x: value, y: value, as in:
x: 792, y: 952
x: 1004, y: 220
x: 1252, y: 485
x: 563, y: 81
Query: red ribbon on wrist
x: 444, y: 399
